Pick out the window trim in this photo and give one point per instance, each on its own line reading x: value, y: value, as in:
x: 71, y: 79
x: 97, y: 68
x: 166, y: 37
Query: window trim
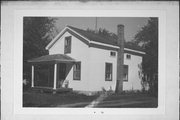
x: 111, y: 71
x: 75, y: 71
x: 112, y: 55
x: 127, y: 73
x: 129, y: 58
x: 65, y: 42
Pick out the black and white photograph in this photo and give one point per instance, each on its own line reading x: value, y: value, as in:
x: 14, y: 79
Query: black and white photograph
x: 94, y: 60
x: 101, y: 62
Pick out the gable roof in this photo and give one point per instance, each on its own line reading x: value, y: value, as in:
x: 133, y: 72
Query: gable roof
x: 92, y: 37
x: 95, y: 37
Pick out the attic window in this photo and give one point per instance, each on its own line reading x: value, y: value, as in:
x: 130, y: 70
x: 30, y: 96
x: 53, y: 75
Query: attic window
x: 113, y: 53
x: 67, y: 45
x: 128, y: 56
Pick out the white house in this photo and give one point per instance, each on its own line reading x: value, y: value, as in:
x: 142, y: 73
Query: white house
x: 85, y: 61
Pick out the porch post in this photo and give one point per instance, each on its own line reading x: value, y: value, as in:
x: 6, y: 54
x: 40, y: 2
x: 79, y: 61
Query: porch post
x: 32, y: 78
x: 55, y: 75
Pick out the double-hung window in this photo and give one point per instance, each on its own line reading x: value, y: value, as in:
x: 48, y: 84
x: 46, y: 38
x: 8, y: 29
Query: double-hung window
x: 108, y: 72
x: 125, y: 77
x: 77, y: 71
x: 67, y: 45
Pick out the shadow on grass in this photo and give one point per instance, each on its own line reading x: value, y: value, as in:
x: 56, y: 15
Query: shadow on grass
x: 137, y: 100
x: 72, y: 99
x: 36, y: 99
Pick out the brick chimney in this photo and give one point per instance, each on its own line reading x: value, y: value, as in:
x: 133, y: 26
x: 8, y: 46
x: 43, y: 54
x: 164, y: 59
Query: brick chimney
x: 120, y: 58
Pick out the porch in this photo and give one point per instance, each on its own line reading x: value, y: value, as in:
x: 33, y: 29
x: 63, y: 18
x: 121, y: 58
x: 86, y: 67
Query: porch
x: 49, y: 72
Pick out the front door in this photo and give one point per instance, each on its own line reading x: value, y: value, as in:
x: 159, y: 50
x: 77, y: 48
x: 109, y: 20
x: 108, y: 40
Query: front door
x: 61, y: 74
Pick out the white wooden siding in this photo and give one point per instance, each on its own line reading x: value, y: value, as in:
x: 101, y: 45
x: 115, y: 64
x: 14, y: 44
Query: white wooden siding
x: 93, y: 66
x: 134, y: 82
x: 80, y: 52
x: 98, y: 58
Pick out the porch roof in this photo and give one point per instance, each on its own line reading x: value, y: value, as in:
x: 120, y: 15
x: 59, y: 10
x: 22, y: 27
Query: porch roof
x: 55, y: 58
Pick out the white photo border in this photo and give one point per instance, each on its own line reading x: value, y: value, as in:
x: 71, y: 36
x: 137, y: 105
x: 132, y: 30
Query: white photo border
x: 18, y: 48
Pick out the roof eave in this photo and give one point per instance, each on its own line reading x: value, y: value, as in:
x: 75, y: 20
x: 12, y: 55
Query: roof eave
x: 89, y: 41
x: 55, y: 39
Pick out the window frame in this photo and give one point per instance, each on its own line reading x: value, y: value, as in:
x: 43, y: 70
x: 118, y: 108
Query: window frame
x: 75, y: 70
x: 67, y: 47
x: 112, y: 54
x: 129, y: 58
x: 111, y: 71
x: 125, y: 73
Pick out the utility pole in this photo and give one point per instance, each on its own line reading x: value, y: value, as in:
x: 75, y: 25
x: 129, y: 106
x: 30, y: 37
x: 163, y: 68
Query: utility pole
x: 96, y: 31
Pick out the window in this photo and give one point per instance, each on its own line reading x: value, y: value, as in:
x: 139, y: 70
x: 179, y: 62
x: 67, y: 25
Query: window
x: 108, y: 72
x: 113, y: 53
x: 125, y: 77
x: 67, y: 45
x: 77, y: 71
x: 128, y: 56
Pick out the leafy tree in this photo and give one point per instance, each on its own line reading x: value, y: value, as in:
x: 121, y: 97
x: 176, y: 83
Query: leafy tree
x: 37, y: 32
x: 103, y: 32
x: 147, y: 37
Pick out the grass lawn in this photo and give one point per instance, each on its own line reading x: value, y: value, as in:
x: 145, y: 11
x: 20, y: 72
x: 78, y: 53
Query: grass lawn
x: 36, y: 99
x: 137, y: 100
x: 71, y: 99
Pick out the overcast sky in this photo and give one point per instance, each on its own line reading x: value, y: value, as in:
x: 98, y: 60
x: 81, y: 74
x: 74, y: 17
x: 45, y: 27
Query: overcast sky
x: 132, y: 24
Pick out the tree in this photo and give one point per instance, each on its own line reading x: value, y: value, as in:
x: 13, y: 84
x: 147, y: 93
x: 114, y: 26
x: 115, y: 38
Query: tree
x: 104, y: 33
x: 37, y: 32
x: 147, y: 38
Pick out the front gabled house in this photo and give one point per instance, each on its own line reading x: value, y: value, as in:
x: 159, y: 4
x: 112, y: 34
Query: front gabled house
x: 86, y: 62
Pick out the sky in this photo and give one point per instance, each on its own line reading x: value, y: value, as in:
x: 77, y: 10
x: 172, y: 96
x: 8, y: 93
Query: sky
x: 131, y: 24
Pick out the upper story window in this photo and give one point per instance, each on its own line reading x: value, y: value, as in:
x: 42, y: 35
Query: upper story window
x: 108, y: 72
x: 67, y: 45
x: 112, y: 53
x: 128, y: 56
